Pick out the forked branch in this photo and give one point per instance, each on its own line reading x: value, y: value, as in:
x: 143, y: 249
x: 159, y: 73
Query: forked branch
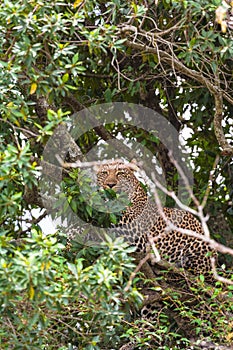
x: 151, y: 45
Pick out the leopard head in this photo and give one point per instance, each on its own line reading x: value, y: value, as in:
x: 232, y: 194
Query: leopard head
x: 120, y: 177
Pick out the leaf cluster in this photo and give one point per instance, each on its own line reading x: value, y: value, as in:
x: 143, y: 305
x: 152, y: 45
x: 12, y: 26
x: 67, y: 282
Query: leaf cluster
x: 49, y: 302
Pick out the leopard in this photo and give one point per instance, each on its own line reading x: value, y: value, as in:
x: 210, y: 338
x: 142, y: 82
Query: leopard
x: 142, y: 223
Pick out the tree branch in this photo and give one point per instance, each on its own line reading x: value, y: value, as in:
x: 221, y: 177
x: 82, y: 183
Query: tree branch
x: 172, y: 60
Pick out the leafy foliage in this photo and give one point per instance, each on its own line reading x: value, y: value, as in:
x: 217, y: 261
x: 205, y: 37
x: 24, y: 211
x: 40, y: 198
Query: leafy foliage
x: 99, y: 207
x: 57, y: 58
x: 46, y: 301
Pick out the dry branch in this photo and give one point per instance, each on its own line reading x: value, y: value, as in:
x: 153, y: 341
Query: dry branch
x: 151, y: 46
x: 205, y: 238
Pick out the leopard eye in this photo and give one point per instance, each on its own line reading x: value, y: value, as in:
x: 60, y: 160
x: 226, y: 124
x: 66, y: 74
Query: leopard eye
x: 103, y: 173
x: 120, y: 172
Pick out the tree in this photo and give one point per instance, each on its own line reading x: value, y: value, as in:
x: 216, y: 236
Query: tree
x: 174, y: 57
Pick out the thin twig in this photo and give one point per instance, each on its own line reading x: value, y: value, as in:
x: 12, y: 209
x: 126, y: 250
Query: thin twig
x: 37, y: 220
x: 155, y: 250
x: 171, y: 227
x: 207, y: 192
x: 19, y: 128
x: 150, y: 45
x: 200, y: 214
x: 138, y: 267
x: 111, y: 164
x: 216, y: 275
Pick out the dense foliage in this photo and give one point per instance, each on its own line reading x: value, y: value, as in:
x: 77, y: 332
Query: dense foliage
x: 57, y: 58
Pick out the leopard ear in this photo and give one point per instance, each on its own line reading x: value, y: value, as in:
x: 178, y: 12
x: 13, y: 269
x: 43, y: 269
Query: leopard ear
x: 134, y: 161
x: 134, y: 165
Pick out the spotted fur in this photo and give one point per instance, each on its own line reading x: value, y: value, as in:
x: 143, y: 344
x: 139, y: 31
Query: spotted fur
x: 141, y: 220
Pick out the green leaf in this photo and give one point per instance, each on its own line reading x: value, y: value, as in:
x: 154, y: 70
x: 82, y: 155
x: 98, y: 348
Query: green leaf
x: 113, y: 218
x: 65, y: 77
x: 73, y: 269
x: 202, y: 278
x: 108, y: 95
x: 75, y: 58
